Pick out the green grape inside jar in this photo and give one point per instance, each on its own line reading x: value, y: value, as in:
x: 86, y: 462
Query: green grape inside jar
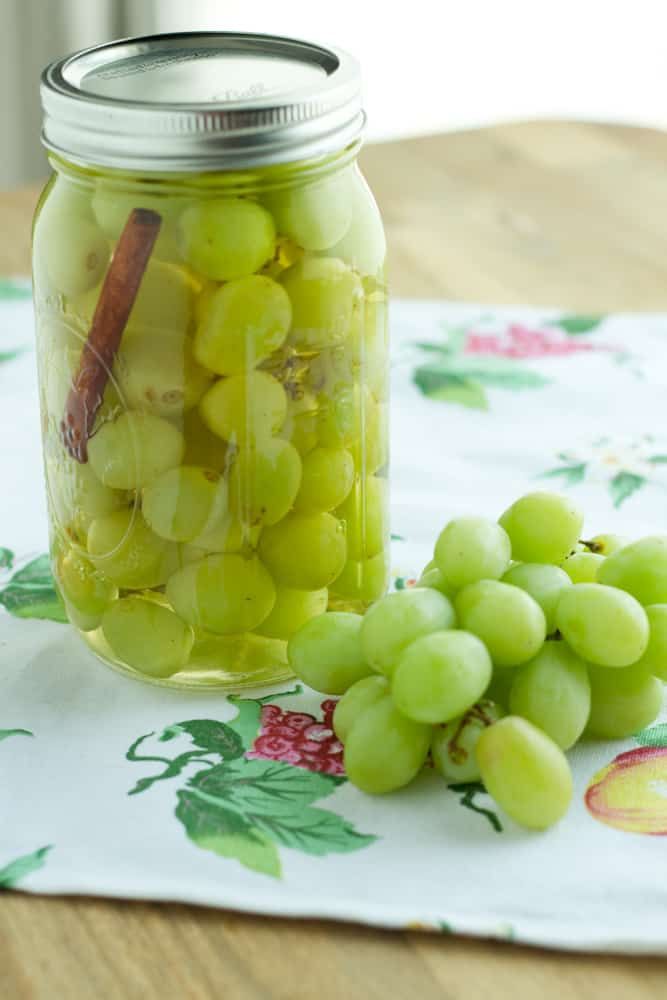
x: 211, y: 308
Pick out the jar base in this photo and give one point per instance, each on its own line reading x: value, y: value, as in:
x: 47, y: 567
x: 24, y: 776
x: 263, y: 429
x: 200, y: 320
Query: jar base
x: 220, y: 663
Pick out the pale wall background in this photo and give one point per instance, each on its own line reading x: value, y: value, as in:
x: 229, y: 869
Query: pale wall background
x: 429, y: 65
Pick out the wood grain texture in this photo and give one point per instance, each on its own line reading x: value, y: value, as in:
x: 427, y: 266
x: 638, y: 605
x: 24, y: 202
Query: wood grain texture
x: 544, y: 213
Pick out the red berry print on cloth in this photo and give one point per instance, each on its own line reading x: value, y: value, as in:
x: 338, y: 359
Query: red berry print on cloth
x: 298, y: 738
x: 519, y: 341
x: 470, y: 359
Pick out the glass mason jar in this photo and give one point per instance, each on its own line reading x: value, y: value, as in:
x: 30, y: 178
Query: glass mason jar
x: 212, y: 351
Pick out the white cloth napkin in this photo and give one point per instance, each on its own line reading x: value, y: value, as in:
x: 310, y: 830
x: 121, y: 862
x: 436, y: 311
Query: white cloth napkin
x: 115, y: 788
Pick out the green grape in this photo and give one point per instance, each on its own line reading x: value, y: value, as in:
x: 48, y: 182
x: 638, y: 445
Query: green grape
x: 507, y: 619
x: 223, y: 593
x: 324, y: 293
x: 226, y: 238
x: 655, y: 654
x: 544, y: 583
x: 525, y: 771
x: 583, y: 567
x: 471, y: 549
x: 59, y: 336
x: 75, y: 250
x: 315, y: 215
x: 131, y: 451
x: 202, y: 446
x: 245, y: 407
x: 328, y: 475
x: 453, y: 744
x: 434, y: 579
x: 247, y: 656
x: 245, y: 321
x: 304, y: 551
x: 227, y: 535
x: 178, y: 504
x: 397, y: 620
x: 501, y: 685
x: 147, y: 636
x: 125, y: 550
x: 606, y: 545
x: 365, y: 515
x: 76, y: 495
x: 603, y: 625
x: 264, y: 481
x: 371, y: 447
x: 640, y: 568
x: 326, y: 653
x: 157, y: 374
x: 543, y: 527
x: 362, y: 358
x: 56, y: 374
x: 342, y: 416
x: 165, y: 301
x: 293, y: 608
x: 300, y: 427
x: 441, y: 675
x: 356, y: 700
x: 552, y: 691
x: 204, y: 298
x: 112, y: 206
x: 623, y: 702
x: 384, y: 750
x: 369, y: 344
x: 85, y: 591
x: 363, y: 580
x: 363, y: 246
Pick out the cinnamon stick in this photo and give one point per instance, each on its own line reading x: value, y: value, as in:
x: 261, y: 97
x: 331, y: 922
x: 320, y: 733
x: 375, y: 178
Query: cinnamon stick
x: 114, y: 305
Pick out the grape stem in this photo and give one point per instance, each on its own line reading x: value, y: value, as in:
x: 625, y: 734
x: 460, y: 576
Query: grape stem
x: 119, y: 291
x: 591, y: 546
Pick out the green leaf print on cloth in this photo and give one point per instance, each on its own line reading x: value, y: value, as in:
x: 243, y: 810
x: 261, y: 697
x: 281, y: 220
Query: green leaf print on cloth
x: 20, y: 867
x: 655, y: 736
x: 6, y: 558
x: 6, y: 733
x: 15, y: 288
x: 30, y: 592
x: 468, y: 790
x: 17, y: 869
x: 263, y: 773
x: 577, y: 324
x: 11, y: 355
x: 623, y: 466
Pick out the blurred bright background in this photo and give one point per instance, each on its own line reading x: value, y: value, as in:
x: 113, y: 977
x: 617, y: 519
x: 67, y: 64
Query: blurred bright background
x: 428, y: 66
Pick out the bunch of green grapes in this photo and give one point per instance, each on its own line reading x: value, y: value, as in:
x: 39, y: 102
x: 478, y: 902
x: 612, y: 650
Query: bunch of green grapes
x: 511, y: 647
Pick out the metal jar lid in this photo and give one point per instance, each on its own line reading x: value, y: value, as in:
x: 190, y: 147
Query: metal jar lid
x: 201, y: 101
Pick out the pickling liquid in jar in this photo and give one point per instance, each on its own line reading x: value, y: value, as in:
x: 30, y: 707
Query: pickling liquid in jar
x: 213, y: 370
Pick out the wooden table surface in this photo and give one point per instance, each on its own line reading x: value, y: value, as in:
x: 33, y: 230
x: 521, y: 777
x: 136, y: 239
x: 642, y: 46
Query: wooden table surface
x: 550, y: 214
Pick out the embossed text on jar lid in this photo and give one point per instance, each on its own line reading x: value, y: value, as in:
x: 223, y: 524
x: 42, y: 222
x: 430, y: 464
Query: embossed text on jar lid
x: 201, y: 101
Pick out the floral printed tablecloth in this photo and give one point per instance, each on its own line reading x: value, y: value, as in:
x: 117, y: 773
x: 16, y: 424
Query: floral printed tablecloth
x: 114, y: 788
